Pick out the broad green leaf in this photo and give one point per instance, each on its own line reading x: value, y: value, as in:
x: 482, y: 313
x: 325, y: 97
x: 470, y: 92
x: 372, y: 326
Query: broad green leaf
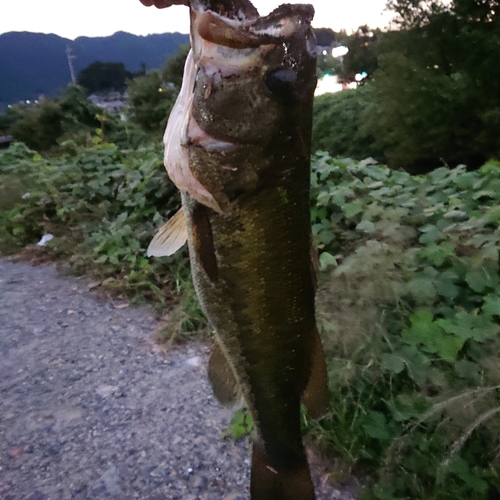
x: 409, y: 406
x: 491, y: 305
x: 326, y: 260
x: 376, y: 426
x: 468, y: 370
x: 392, y: 363
x: 470, y: 326
x: 366, y: 226
x: 421, y: 288
x: 352, y: 209
x: 429, y: 234
x: 479, y: 278
x: 438, y: 253
x: 432, y: 337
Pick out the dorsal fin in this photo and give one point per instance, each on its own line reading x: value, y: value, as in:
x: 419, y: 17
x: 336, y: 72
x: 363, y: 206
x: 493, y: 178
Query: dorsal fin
x: 170, y: 237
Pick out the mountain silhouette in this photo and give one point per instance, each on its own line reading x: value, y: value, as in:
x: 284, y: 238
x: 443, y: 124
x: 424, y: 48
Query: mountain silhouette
x: 34, y: 64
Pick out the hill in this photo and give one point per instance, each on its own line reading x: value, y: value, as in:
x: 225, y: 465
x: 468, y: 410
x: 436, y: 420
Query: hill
x: 32, y: 64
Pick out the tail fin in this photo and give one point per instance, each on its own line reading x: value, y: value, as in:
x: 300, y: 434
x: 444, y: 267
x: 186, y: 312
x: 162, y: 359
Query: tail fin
x: 268, y: 483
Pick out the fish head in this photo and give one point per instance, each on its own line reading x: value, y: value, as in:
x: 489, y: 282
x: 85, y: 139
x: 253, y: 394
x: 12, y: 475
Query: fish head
x: 249, y: 68
x: 248, y: 88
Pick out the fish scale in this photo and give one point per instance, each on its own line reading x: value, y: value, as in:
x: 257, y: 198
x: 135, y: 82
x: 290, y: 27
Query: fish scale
x: 240, y: 154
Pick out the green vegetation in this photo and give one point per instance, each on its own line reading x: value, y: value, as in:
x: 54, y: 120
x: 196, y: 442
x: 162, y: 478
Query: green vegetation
x: 104, y: 77
x: 409, y: 298
x: 101, y: 204
x: 152, y: 96
x: 433, y: 88
x: 339, y: 125
x: 409, y: 311
x: 408, y: 305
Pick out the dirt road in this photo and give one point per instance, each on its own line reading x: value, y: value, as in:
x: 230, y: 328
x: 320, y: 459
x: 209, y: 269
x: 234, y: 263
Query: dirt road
x: 91, y: 408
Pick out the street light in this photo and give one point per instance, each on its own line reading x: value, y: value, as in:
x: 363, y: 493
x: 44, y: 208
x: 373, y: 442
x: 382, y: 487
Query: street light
x: 339, y: 51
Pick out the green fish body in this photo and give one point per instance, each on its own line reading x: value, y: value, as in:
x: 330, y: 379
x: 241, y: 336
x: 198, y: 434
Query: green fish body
x: 238, y: 147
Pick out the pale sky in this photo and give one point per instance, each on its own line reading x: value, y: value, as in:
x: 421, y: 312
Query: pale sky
x: 71, y: 19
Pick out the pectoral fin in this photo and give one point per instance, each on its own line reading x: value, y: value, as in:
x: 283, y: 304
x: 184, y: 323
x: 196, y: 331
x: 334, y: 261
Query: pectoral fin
x: 223, y: 378
x: 315, y: 395
x: 170, y: 237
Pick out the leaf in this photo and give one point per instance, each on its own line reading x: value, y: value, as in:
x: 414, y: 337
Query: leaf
x: 437, y: 254
x: 352, y: 209
x: 429, y: 333
x: 392, y: 363
x: 326, y: 260
x: 376, y: 426
x: 480, y: 278
x: 429, y: 234
x: 469, y: 370
x: 366, y: 226
x: 491, y: 305
x: 447, y: 288
x: 471, y: 326
x: 410, y: 406
x: 421, y: 287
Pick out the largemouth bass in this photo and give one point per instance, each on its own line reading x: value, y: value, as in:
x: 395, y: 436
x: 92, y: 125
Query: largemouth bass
x: 237, y: 145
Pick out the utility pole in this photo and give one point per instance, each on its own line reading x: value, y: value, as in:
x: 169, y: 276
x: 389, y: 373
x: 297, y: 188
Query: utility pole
x: 69, y: 54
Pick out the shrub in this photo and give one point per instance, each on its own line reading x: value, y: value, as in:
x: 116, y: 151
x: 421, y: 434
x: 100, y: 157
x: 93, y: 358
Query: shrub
x: 338, y: 124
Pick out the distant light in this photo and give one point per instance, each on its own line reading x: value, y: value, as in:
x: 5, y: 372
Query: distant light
x: 325, y: 52
x: 361, y: 76
x: 9, y: 105
x: 28, y: 101
x: 160, y: 90
x: 339, y: 51
x: 328, y: 84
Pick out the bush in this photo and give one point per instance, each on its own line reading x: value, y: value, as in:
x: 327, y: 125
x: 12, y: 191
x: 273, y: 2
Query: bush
x: 151, y: 100
x: 409, y: 311
x: 39, y: 126
x: 437, y: 94
x: 103, y: 206
x: 338, y: 124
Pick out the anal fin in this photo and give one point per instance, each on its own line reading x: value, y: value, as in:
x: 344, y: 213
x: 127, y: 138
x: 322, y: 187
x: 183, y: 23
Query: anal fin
x: 315, y: 396
x: 223, y: 378
x: 170, y: 237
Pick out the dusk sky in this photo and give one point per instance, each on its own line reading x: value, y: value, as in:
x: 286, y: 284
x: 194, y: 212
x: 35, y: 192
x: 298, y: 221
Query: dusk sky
x: 104, y: 17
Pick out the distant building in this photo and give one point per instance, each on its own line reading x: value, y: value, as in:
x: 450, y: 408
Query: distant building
x: 5, y: 141
x: 114, y: 102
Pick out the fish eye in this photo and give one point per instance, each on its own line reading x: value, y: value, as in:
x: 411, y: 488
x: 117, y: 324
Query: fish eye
x: 280, y: 80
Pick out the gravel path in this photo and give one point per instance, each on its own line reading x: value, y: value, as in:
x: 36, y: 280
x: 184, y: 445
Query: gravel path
x: 91, y: 407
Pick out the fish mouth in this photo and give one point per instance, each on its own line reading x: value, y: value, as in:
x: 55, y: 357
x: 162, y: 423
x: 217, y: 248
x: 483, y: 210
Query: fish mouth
x: 240, y: 10
x: 236, y: 24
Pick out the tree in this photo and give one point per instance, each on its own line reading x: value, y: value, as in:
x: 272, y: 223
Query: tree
x: 438, y: 86
x: 151, y: 100
x: 338, y: 124
x: 153, y: 95
x: 104, y: 77
x: 362, y: 55
x: 40, y: 126
x: 77, y: 108
x: 173, y: 69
